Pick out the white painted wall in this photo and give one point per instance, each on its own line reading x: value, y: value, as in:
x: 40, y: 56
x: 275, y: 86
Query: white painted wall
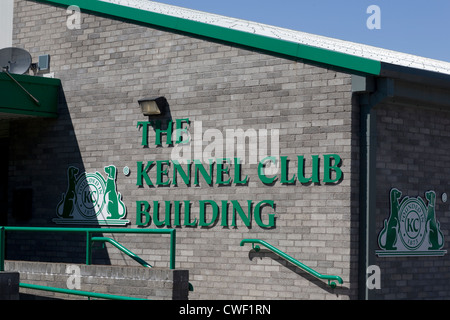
x: 6, y: 22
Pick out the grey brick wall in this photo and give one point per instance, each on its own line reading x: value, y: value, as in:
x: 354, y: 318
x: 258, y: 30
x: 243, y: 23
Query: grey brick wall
x: 107, y: 65
x: 412, y: 153
x: 133, y: 282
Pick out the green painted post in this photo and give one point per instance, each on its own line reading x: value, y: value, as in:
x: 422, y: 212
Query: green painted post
x: 2, y: 248
x: 172, y: 248
x: 88, y: 248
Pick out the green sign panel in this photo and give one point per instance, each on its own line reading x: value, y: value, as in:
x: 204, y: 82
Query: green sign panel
x: 412, y: 228
x: 91, y: 199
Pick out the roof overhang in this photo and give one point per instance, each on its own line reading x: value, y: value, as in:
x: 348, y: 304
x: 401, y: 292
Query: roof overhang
x: 15, y: 102
x: 289, y: 49
x: 356, y: 59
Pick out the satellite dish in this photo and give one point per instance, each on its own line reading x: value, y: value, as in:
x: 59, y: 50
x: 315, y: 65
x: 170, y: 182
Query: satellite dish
x: 15, y: 60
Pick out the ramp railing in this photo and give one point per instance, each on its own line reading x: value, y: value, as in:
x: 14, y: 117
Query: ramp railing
x: 89, y: 240
x: 331, y: 283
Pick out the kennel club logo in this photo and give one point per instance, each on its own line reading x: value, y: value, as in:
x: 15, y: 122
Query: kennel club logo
x: 91, y: 199
x: 412, y: 228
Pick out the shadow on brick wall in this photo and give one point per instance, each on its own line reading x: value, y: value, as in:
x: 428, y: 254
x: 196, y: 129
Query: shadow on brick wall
x: 41, y: 189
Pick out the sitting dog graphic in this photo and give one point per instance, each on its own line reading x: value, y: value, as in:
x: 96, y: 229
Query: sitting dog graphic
x: 388, y: 236
x: 114, y: 206
x: 66, y: 206
x: 436, y: 238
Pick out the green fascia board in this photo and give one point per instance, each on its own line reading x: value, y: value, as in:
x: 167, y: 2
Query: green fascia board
x: 250, y: 40
x: 14, y: 100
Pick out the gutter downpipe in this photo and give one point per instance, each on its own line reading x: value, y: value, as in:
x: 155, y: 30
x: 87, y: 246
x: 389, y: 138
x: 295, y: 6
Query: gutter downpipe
x: 371, y: 92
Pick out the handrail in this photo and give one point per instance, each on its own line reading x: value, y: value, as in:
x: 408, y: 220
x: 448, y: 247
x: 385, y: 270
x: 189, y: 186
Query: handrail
x: 89, y: 238
x: 123, y: 249
x: 76, y: 292
x: 332, y: 284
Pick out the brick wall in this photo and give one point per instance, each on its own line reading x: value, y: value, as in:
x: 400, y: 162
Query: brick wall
x: 107, y: 65
x: 134, y: 282
x: 412, y: 152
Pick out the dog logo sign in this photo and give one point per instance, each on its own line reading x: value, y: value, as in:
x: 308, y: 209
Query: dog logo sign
x: 90, y: 199
x: 412, y: 228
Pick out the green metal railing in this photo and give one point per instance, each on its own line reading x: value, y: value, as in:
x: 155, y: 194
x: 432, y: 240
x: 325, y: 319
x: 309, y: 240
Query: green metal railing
x: 331, y: 283
x: 77, y: 292
x: 89, y: 240
x: 123, y: 249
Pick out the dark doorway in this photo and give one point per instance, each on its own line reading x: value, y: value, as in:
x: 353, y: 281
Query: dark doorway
x: 4, y: 165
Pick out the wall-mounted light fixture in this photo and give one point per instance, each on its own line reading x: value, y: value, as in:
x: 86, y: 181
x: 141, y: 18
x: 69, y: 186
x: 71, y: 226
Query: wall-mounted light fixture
x: 152, y: 106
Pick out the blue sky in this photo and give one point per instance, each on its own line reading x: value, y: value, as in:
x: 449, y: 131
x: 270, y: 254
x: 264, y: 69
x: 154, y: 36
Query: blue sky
x: 416, y: 26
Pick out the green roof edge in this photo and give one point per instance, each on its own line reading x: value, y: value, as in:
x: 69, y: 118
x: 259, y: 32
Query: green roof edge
x: 268, y: 44
x: 16, y: 101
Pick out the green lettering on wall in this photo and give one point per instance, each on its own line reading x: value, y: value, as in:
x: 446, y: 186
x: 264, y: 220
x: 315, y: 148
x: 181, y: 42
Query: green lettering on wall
x: 301, y: 170
x: 161, y: 172
x: 157, y: 125
x: 187, y: 215
x: 224, y: 217
x: 185, y: 175
x: 238, y: 172
x: 237, y: 208
x: 198, y: 167
x: 140, y: 212
x: 208, y: 213
x: 179, y: 130
x: 223, y: 169
x: 284, y: 172
x: 328, y: 168
x: 166, y: 220
x: 257, y: 214
x: 176, y: 220
x: 142, y: 174
x: 144, y: 125
x: 261, y: 174
x: 215, y: 212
